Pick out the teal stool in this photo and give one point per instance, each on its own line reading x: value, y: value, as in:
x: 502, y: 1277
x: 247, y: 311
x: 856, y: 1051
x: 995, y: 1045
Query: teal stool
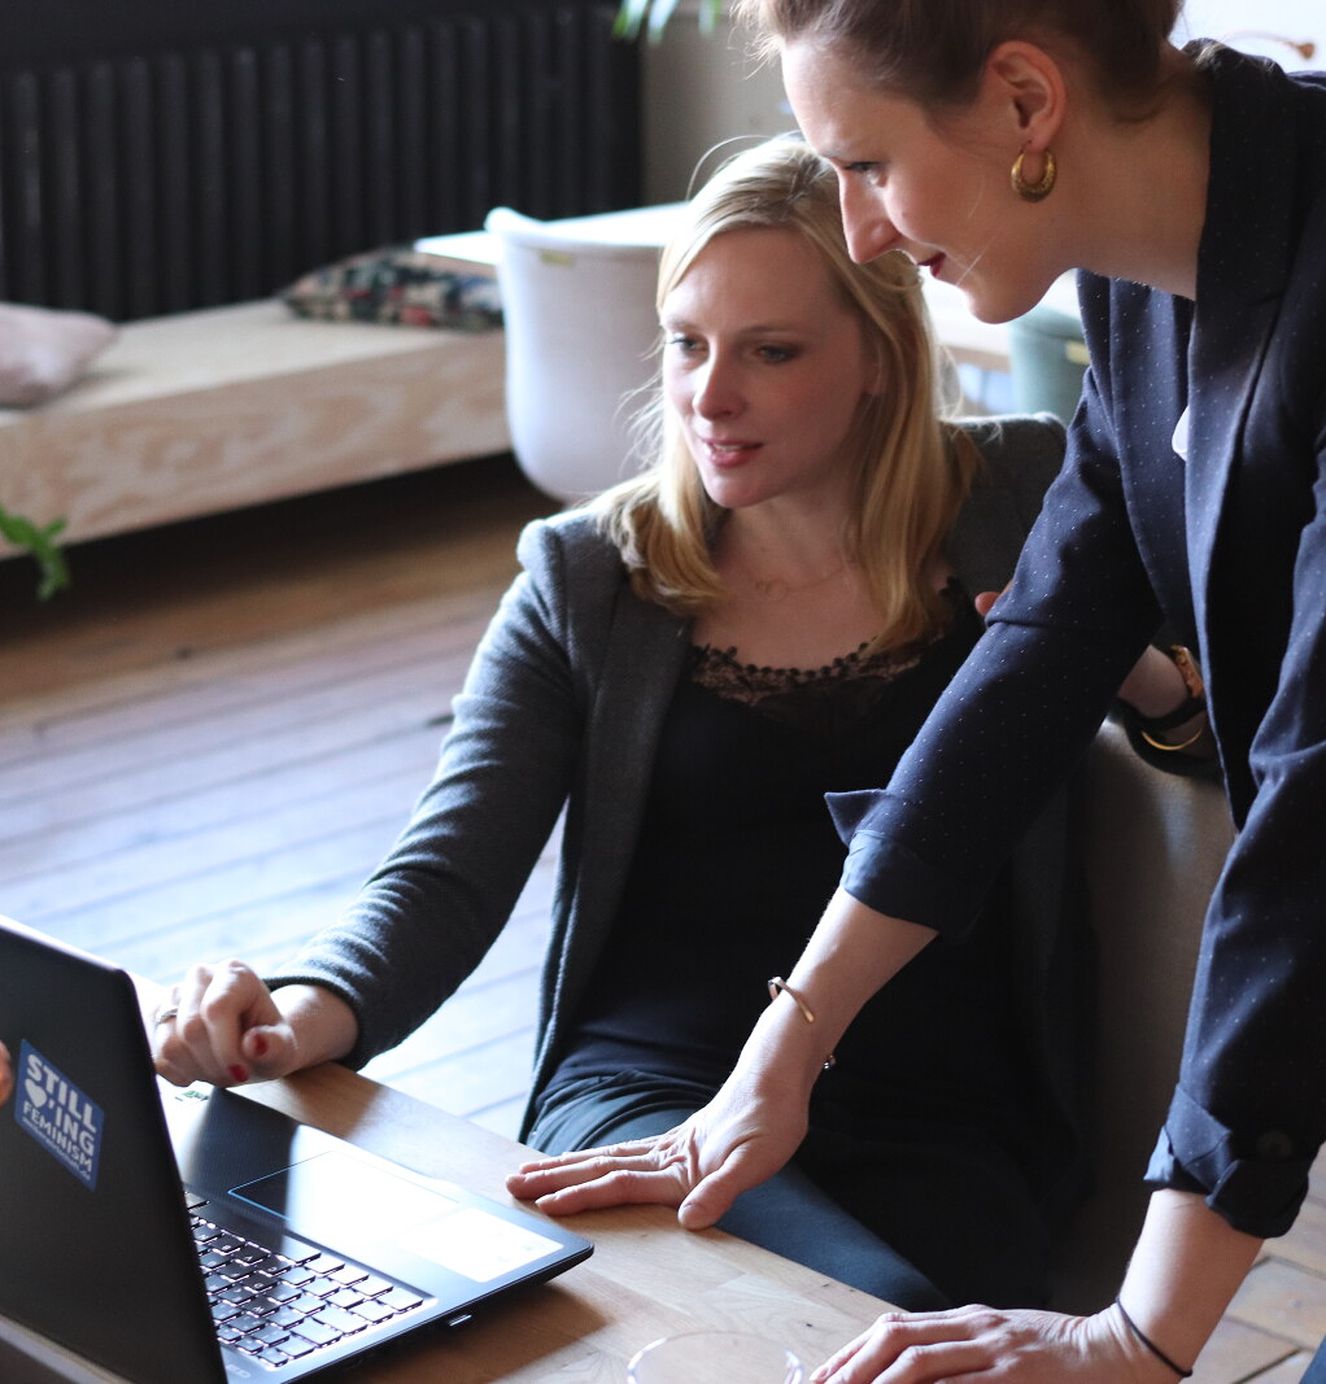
x: 1047, y: 359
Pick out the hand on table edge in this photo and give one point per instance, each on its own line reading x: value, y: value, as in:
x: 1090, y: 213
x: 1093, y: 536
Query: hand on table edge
x: 1187, y: 1266
x: 1023, y: 1345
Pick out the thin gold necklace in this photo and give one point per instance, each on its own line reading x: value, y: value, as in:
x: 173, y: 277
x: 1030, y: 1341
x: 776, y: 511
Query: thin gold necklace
x: 775, y: 589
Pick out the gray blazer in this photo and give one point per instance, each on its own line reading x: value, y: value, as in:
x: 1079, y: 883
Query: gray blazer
x: 562, y: 709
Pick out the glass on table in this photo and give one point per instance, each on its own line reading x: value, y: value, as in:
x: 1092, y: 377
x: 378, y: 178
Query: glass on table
x: 732, y: 1357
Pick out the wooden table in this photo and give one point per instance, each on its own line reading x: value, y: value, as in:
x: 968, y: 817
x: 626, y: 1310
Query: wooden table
x: 647, y: 1277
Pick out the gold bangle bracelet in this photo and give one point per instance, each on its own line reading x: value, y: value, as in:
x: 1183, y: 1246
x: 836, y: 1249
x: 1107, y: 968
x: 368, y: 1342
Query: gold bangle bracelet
x: 1182, y: 745
x: 778, y: 986
x: 1195, y: 687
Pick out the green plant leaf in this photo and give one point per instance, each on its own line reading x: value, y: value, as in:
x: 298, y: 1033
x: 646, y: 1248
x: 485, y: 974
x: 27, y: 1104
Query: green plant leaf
x: 53, y: 571
x: 629, y: 18
x: 633, y: 14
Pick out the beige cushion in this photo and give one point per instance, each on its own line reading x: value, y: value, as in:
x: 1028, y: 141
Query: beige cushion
x: 43, y: 352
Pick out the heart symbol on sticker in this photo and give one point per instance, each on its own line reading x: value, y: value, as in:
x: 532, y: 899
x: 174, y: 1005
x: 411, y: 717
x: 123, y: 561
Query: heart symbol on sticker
x: 35, y: 1094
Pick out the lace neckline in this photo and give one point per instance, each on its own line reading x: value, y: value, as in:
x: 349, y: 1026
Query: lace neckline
x: 722, y: 668
x: 707, y: 657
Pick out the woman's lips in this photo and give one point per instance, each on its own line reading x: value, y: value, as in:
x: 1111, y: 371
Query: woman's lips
x: 724, y: 454
x: 934, y: 264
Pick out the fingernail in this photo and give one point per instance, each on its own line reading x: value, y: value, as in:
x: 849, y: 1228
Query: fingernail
x: 260, y: 1046
x: 238, y: 1073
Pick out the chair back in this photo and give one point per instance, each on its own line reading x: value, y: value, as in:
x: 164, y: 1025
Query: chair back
x: 581, y: 336
x: 1156, y: 844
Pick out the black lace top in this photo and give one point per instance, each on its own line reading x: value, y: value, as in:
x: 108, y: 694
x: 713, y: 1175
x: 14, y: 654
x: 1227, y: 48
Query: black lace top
x: 737, y: 858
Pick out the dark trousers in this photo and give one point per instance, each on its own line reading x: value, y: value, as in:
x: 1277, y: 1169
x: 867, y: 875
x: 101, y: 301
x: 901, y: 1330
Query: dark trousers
x: 924, y: 1218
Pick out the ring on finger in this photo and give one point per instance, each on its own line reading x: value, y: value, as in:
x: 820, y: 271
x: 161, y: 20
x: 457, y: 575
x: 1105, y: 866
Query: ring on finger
x: 165, y: 1014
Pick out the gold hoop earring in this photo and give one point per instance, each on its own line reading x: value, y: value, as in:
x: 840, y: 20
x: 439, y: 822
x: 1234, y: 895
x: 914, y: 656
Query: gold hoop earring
x: 1034, y: 192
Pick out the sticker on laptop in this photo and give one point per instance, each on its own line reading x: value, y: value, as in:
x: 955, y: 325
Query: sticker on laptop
x: 60, y: 1117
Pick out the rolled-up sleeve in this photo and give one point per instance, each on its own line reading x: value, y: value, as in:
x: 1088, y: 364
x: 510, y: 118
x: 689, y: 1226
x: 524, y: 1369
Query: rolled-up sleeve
x: 1249, y: 1115
x: 1257, y: 1190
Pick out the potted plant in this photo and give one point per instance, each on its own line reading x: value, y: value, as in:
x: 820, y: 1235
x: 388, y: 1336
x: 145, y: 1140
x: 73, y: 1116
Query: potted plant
x: 652, y: 16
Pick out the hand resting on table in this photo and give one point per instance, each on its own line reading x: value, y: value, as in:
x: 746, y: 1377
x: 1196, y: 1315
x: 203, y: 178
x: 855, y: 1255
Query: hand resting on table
x: 700, y: 1166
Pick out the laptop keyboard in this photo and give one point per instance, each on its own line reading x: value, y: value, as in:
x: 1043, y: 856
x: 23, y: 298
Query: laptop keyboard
x: 279, y: 1308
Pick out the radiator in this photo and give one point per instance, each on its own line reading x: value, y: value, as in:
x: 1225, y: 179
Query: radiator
x: 141, y: 183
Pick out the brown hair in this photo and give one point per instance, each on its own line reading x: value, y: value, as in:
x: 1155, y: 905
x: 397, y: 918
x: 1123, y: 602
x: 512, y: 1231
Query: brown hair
x: 933, y: 51
x: 910, y: 470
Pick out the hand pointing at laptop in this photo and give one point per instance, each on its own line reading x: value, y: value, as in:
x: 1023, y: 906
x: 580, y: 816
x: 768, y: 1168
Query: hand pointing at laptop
x: 221, y: 1024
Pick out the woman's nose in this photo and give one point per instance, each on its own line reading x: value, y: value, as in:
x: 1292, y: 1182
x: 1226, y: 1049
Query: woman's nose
x: 868, y: 230
x: 717, y: 394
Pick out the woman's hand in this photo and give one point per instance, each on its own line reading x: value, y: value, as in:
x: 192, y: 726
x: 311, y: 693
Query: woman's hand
x: 222, y: 1025
x: 1154, y: 687
x: 6, y: 1075
x: 758, y: 1118
x: 701, y: 1166
x: 984, y: 600
x: 1015, y: 1347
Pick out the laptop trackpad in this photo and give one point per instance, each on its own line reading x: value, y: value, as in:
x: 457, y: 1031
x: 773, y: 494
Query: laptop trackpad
x: 335, y: 1197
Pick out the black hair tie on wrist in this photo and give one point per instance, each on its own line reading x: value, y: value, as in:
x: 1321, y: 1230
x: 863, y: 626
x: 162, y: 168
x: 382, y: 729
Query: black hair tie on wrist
x: 1150, y: 1344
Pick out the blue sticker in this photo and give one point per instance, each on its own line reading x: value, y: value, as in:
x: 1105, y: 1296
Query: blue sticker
x: 58, y: 1115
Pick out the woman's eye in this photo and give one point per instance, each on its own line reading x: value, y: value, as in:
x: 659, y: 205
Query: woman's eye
x: 681, y: 342
x: 776, y: 355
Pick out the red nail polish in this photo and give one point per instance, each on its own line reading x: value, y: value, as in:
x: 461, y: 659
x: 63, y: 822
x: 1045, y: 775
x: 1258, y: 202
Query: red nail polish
x: 238, y: 1073
x: 260, y: 1046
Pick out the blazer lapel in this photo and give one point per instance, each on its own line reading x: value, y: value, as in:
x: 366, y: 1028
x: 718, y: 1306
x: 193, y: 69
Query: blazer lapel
x: 642, y: 660
x: 1243, y: 268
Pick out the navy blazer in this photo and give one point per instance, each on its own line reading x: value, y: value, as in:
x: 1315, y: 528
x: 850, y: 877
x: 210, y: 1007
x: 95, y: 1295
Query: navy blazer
x: 1194, y: 492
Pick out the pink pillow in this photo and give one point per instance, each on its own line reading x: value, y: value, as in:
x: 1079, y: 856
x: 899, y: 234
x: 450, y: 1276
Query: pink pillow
x: 42, y: 352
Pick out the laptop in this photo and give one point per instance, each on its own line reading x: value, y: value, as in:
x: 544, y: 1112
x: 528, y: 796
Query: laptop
x: 168, y: 1234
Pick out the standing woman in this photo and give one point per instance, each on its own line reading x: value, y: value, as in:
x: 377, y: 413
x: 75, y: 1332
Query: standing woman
x: 999, y: 143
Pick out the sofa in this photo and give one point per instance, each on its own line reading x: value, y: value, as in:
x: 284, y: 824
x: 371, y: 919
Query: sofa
x: 199, y: 412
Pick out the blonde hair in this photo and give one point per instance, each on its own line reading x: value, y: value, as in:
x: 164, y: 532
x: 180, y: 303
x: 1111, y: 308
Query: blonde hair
x: 909, y: 471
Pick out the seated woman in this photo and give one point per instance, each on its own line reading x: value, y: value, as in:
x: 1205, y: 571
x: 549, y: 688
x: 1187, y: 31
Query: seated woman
x: 686, y: 666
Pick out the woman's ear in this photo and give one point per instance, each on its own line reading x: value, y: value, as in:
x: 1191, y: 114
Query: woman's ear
x: 1027, y: 93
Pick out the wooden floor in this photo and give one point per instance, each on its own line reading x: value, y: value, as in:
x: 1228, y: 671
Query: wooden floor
x: 209, y: 741
x: 207, y: 744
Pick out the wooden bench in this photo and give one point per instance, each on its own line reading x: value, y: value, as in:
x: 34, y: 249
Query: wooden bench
x: 215, y: 410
